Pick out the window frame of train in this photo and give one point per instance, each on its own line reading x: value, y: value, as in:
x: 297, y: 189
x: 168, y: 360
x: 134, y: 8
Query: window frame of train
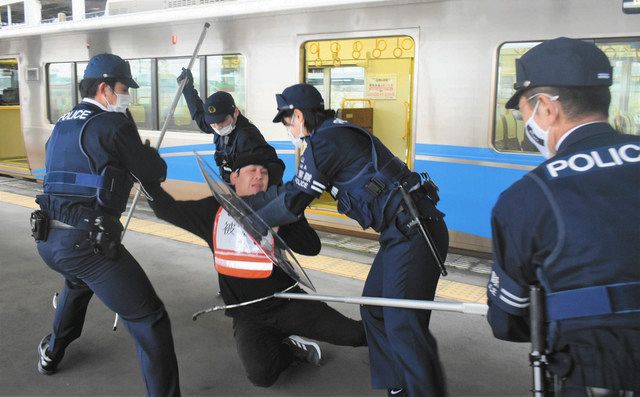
x: 627, y: 121
x: 148, y: 113
x: 202, y: 72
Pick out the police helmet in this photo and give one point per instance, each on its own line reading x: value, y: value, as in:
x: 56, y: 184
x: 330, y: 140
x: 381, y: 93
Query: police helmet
x: 561, y: 62
x: 110, y: 66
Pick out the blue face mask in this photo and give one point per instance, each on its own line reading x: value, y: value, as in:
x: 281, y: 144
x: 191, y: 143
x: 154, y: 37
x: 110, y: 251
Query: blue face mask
x: 536, y: 135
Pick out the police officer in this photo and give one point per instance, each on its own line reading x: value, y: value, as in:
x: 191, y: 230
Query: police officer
x: 364, y: 177
x: 234, y: 134
x: 267, y: 332
x: 571, y: 224
x: 92, y: 156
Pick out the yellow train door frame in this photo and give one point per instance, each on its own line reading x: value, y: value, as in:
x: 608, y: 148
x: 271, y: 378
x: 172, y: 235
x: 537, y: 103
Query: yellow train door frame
x: 370, y: 80
x: 13, y: 154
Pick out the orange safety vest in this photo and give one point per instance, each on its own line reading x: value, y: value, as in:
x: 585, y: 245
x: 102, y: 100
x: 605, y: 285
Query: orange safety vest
x: 234, y: 252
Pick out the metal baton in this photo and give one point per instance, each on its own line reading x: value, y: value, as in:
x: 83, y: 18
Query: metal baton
x: 466, y: 308
x: 413, y: 211
x: 537, y: 356
x: 170, y: 111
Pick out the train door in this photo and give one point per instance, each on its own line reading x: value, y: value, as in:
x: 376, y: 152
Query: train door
x: 369, y: 82
x: 13, y: 156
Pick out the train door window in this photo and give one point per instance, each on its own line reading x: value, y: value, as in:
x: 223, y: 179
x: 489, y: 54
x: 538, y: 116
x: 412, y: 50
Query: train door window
x: 316, y: 77
x: 227, y: 73
x: 143, y: 107
x: 9, y: 82
x: 347, y: 84
x: 624, y: 112
x: 168, y: 71
x: 61, y: 92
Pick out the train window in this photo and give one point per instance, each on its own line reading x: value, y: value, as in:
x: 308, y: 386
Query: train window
x: 9, y: 82
x: 60, y: 89
x: 227, y: 73
x: 168, y: 71
x: 508, y: 133
x: 624, y: 112
x: 142, y: 105
x: 80, y: 67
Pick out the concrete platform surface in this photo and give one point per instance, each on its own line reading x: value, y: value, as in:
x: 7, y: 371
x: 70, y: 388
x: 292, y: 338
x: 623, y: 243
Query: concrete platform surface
x: 103, y: 362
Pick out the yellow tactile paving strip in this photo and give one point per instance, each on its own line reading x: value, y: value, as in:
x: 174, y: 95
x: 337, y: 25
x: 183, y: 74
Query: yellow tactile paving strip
x: 450, y: 290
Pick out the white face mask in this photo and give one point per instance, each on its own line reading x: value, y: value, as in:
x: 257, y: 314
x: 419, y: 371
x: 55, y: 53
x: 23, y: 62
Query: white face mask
x: 122, y: 102
x: 536, y: 135
x: 297, y: 141
x: 226, y: 130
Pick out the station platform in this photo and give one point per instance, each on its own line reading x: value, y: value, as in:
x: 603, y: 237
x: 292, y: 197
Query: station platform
x: 103, y: 362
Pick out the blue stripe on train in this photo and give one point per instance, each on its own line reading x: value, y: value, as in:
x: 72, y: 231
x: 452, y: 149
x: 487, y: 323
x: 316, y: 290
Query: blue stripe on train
x: 477, y: 154
x: 468, y: 191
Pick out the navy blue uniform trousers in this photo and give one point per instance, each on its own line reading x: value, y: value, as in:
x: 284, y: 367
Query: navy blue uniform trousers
x: 402, y: 351
x: 124, y: 288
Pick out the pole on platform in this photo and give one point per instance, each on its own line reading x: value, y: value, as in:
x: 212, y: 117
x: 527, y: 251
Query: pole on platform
x: 163, y: 131
x: 466, y: 308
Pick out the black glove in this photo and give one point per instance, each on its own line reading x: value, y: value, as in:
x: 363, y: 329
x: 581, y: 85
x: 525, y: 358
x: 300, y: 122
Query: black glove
x: 186, y: 74
x: 152, y: 156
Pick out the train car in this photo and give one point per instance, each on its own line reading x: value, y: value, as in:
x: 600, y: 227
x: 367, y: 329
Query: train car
x: 430, y: 78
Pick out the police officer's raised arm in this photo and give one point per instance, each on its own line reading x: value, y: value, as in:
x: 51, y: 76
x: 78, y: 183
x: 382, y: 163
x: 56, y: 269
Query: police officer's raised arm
x: 194, y: 103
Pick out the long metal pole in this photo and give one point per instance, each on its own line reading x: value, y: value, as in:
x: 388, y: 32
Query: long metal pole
x: 466, y: 308
x: 163, y: 131
x: 172, y: 109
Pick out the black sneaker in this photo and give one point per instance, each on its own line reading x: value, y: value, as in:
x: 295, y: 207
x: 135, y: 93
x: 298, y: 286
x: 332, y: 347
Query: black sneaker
x: 304, y: 350
x: 397, y: 393
x: 46, y: 364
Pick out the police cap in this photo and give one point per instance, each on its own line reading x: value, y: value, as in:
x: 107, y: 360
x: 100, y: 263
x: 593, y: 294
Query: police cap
x: 561, y: 62
x: 110, y: 66
x: 298, y: 96
x: 218, y: 106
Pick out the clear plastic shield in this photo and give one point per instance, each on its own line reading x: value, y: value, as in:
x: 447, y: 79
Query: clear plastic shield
x: 254, y: 226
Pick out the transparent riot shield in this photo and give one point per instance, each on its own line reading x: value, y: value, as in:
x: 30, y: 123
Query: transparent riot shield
x: 254, y: 226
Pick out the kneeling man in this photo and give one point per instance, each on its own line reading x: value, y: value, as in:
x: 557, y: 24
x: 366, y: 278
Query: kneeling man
x: 266, y: 332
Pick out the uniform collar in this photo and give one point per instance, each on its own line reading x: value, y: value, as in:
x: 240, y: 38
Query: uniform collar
x: 583, y: 132
x: 96, y: 103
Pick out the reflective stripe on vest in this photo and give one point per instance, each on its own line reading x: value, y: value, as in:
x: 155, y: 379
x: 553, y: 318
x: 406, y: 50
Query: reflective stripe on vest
x: 234, y: 252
